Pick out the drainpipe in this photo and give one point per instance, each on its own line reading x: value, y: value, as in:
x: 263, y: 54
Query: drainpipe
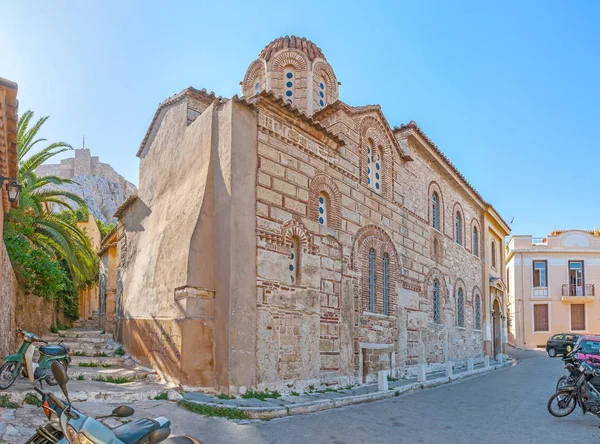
x: 523, y: 298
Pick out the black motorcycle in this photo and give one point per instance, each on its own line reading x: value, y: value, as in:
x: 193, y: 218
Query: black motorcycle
x: 572, y: 364
x: 582, y: 392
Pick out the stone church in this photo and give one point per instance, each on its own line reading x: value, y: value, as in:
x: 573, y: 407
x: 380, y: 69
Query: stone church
x: 283, y: 238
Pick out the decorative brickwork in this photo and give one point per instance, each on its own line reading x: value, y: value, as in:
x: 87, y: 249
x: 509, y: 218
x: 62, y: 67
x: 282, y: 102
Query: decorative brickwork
x: 256, y: 74
x: 460, y: 237
x: 319, y: 184
x: 372, y: 134
x: 435, y: 188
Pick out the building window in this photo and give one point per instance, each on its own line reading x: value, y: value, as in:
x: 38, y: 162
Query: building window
x: 435, y: 211
x: 323, y: 205
x: 288, y: 79
x: 386, y: 283
x: 578, y: 317
x: 475, y: 242
x: 540, y: 317
x: 539, y: 274
x: 477, y: 312
x: 493, y: 254
x: 436, y: 301
x: 508, y: 280
x: 294, y: 265
x: 322, y: 94
x: 460, y: 315
x: 459, y: 229
x: 372, y: 280
x: 374, y: 170
x: 257, y: 87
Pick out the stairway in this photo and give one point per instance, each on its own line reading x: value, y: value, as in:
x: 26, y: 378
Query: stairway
x: 96, y: 356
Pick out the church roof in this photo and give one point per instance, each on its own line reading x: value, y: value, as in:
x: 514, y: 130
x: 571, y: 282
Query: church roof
x: 300, y: 43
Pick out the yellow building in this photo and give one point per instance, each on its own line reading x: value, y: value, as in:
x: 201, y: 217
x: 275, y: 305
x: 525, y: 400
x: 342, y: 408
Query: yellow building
x: 108, y: 279
x: 552, y: 286
x: 89, y: 303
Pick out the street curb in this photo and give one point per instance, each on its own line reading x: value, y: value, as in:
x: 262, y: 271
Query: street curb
x: 326, y: 404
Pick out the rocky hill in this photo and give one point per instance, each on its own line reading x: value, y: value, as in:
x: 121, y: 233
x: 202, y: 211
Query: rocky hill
x: 103, y: 189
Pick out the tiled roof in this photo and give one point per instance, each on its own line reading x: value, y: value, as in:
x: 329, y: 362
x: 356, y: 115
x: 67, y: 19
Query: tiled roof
x: 125, y: 205
x: 172, y: 101
x: 301, y: 43
x: 413, y: 125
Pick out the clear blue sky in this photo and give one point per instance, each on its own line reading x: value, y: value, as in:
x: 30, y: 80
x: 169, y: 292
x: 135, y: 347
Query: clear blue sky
x: 508, y: 90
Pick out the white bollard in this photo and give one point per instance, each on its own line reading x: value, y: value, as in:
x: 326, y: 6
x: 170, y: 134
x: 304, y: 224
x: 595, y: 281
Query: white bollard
x: 422, y: 375
x: 486, y: 361
x: 448, y: 369
x: 382, y: 380
x: 500, y: 358
x: 470, y: 364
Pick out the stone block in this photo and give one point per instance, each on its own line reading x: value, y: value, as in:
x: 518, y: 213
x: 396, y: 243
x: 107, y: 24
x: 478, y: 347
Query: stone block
x: 382, y: 380
x: 500, y: 358
x: 470, y: 364
x: 422, y: 373
x: 486, y: 361
x: 449, y: 369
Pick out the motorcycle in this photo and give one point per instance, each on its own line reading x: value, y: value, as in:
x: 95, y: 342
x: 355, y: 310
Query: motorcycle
x: 572, y: 364
x: 582, y: 393
x: 76, y: 428
x: 21, y: 363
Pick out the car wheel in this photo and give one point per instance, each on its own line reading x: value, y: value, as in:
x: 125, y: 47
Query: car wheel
x: 552, y: 352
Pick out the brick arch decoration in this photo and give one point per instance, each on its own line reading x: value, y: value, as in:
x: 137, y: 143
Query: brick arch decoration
x: 256, y: 71
x: 457, y: 208
x: 371, y: 128
x: 435, y: 187
x: 373, y: 237
x: 289, y: 57
x: 294, y: 228
x: 475, y: 224
x: 322, y: 69
x: 435, y: 273
x: 334, y: 213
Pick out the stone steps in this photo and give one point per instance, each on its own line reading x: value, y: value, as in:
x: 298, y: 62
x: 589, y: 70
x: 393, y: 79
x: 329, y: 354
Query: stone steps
x: 98, y: 373
x: 113, y: 361
x: 84, y: 339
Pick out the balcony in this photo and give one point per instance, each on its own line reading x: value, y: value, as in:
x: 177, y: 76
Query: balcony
x: 578, y: 293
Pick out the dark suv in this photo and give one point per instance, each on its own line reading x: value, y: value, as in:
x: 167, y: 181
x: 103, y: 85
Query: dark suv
x: 561, y: 344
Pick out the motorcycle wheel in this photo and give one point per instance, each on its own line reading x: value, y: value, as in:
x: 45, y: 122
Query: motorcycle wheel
x: 563, y: 381
x: 560, y: 406
x: 43, y: 433
x: 8, y: 374
x: 50, y: 379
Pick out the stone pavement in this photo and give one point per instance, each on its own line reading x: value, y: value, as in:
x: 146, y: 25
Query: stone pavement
x: 316, y: 400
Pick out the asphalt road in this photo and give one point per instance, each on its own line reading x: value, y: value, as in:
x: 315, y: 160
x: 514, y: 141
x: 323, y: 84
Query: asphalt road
x: 505, y: 406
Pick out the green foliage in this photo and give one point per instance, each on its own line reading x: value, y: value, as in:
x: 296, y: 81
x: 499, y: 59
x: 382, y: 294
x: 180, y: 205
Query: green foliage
x: 80, y: 377
x: 162, y: 396
x: 79, y: 353
x: 104, y: 229
x: 114, y: 379
x: 208, y: 410
x: 261, y: 395
x: 224, y: 396
x: 295, y: 394
x: 120, y: 351
x: 54, y: 328
x: 31, y: 399
x: 6, y: 403
x: 88, y: 364
x: 101, y: 355
x: 390, y: 379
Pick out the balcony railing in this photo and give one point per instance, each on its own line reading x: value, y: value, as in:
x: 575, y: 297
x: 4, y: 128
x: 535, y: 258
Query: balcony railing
x: 578, y: 290
x: 538, y: 241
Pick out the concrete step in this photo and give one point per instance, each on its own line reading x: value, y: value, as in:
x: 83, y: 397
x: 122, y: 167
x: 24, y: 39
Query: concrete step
x: 94, y: 374
x: 113, y: 361
x: 86, y: 339
x: 91, y: 349
x: 76, y: 333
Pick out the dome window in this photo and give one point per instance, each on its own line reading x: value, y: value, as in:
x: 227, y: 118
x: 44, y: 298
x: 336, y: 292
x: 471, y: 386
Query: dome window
x: 288, y: 88
x: 289, y: 75
x: 257, y: 87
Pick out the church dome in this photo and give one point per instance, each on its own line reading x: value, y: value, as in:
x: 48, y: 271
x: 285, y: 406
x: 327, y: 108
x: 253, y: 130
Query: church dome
x: 295, y: 69
x: 301, y: 43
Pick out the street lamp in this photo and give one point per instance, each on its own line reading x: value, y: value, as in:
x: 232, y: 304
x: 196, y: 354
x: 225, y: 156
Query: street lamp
x: 12, y: 187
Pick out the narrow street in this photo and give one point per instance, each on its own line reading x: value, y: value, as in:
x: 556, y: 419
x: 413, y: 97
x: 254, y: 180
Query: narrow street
x: 507, y: 405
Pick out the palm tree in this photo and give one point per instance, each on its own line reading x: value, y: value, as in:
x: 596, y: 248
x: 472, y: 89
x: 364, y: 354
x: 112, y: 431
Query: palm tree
x: 56, y: 235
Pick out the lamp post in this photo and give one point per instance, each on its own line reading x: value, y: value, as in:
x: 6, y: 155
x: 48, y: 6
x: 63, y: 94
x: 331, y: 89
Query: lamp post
x: 12, y: 187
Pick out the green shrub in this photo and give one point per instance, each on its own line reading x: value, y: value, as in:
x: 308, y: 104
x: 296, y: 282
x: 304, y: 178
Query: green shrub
x: 54, y: 328
x: 224, y: 396
x: 251, y: 394
x: 30, y: 398
x: 208, y: 410
x: 114, y: 379
x: 6, y: 403
x: 162, y: 396
x: 120, y: 351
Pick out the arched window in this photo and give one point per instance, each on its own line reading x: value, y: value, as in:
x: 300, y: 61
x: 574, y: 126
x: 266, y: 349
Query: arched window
x: 323, y: 207
x: 459, y: 229
x: 294, y: 265
x: 288, y: 84
x: 322, y: 93
x: 475, y: 242
x: 477, y: 312
x: 435, y: 211
x: 436, y: 301
x: 374, y: 166
x: 493, y: 254
x: 386, y: 283
x: 460, y: 314
x: 372, y: 280
x: 257, y: 87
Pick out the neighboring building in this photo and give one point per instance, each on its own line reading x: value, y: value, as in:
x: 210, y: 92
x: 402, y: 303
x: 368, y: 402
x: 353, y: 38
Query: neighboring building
x: 552, y: 286
x: 108, y: 279
x: 89, y: 303
x: 102, y: 188
x: 8, y: 169
x: 287, y: 239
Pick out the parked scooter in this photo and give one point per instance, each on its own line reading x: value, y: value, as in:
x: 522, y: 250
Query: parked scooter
x: 76, y: 428
x: 583, y: 392
x: 572, y: 364
x: 21, y: 363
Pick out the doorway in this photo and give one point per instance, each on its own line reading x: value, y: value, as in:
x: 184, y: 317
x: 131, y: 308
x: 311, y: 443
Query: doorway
x: 497, y: 329
x: 576, y: 278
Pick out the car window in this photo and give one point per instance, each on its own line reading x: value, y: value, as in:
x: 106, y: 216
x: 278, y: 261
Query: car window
x: 588, y: 346
x: 571, y: 337
x: 557, y: 337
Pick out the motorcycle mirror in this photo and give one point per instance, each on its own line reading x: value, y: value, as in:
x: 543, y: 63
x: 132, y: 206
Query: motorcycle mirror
x: 158, y: 436
x: 123, y: 411
x: 61, y: 377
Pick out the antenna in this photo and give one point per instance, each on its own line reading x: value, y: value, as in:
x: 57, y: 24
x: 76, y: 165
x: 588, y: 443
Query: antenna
x: 83, y: 141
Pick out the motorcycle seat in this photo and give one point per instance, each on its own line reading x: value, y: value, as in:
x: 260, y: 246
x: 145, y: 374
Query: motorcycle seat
x: 135, y: 431
x: 53, y: 350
